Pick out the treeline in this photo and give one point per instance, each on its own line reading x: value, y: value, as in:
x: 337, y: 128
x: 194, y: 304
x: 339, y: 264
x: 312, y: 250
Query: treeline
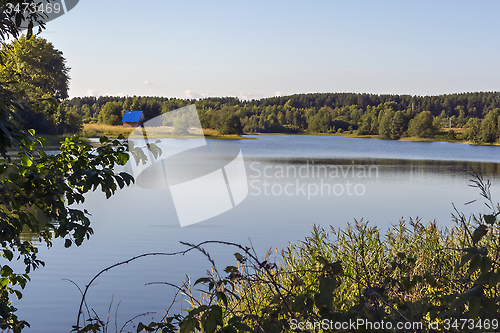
x: 36, y: 74
x: 472, y: 117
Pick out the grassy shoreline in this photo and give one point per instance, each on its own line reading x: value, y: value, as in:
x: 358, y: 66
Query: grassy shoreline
x: 437, y: 138
x: 97, y: 130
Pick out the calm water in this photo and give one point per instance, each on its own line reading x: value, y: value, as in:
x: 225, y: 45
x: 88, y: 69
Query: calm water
x: 294, y: 182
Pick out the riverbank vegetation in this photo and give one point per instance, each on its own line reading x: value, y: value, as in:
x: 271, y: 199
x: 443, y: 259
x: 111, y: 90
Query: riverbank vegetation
x: 416, y: 277
x: 37, y: 189
x: 114, y: 131
x: 469, y: 117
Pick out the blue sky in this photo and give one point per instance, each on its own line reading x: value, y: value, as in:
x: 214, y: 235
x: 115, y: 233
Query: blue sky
x: 255, y: 49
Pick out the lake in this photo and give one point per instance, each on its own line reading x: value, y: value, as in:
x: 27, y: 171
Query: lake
x: 294, y: 181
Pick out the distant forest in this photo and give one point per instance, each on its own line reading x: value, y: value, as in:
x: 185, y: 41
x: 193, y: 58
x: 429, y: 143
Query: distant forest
x: 473, y: 117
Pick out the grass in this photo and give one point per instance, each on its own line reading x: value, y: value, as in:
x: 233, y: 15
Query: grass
x: 97, y: 130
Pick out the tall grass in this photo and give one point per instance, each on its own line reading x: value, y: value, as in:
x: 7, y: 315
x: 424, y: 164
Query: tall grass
x: 413, y: 273
x: 97, y: 130
x: 443, y: 279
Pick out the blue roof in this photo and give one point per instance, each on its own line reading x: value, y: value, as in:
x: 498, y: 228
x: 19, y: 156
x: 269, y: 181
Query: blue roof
x: 132, y: 116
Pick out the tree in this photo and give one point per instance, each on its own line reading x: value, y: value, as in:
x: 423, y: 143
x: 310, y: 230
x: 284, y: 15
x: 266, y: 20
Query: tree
x: 36, y: 189
x: 472, y: 130
x: 37, y: 66
x: 422, y: 125
x: 489, y: 126
x: 111, y: 113
x: 398, y: 125
x: 461, y: 120
x: 67, y: 120
x: 321, y: 122
x: 231, y: 125
x: 385, y: 122
x: 181, y: 126
x: 38, y: 78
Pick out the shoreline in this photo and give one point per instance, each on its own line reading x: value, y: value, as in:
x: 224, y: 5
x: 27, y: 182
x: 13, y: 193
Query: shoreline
x: 404, y: 139
x: 114, y: 131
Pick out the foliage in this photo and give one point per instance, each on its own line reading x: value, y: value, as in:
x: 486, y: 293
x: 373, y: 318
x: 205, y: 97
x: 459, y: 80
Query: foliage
x: 388, y: 116
x: 37, y: 66
x: 422, y: 125
x: 472, y: 130
x: 36, y: 74
x: 489, y: 126
x: 36, y: 193
x: 37, y: 189
x: 10, y: 24
x: 230, y: 125
x: 442, y: 278
x: 111, y: 114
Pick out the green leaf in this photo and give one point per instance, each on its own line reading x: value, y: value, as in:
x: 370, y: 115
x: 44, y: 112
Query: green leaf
x: 26, y: 161
x: 222, y: 296
x: 231, y: 269
x: 486, y: 264
x: 479, y: 233
x: 494, y: 278
x: 127, y: 178
x: 42, y: 141
x: 242, y: 327
x: 8, y: 254
x: 467, y: 296
x: 202, y: 280
x: 475, y: 262
x: 325, y: 296
x: 213, y: 318
x: 189, y: 325
x: 67, y: 243
x: 198, y: 310
x: 474, y: 306
x: 5, y: 271
x: 490, y: 219
x: 298, y: 304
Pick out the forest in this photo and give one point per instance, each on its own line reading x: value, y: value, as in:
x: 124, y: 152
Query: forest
x: 473, y: 117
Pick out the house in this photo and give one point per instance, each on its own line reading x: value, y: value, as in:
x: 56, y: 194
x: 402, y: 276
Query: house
x: 133, y: 118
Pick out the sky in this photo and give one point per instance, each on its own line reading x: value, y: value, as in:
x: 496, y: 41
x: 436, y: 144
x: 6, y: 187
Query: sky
x: 255, y: 49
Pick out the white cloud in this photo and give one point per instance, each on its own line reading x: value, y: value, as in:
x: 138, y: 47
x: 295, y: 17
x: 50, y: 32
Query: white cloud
x: 92, y: 92
x: 277, y: 94
x: 147, y: 83
x: 248, y: 96
x: 194, y: 95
